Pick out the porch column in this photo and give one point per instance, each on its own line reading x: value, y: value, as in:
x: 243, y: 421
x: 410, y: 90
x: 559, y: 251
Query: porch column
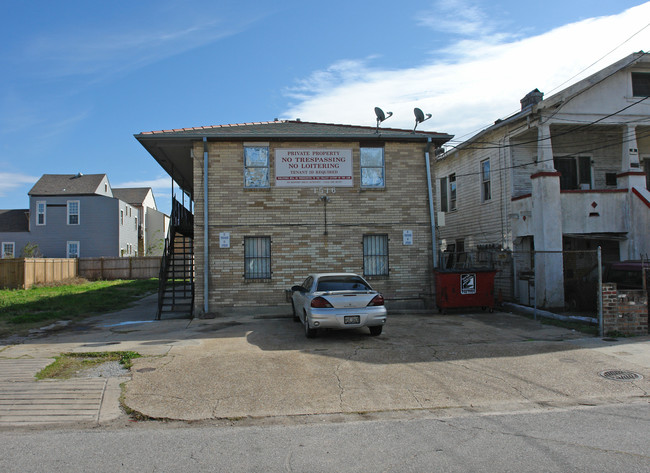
x: 547, y: 225
x: 633, y: 179
x: 631, y: 174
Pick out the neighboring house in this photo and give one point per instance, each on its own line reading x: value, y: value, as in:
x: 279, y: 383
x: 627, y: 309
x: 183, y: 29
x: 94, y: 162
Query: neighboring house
x: 152, y: 224
x: 14, y: 232
x: 565, y: 173
x: 72, y: 216
x: 287, y: 198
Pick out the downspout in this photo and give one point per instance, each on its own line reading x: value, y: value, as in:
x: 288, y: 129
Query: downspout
x: 431, y: 210
x: 206, y: 255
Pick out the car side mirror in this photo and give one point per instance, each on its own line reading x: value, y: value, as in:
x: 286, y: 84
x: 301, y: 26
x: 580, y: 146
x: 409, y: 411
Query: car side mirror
x: 298, y: 288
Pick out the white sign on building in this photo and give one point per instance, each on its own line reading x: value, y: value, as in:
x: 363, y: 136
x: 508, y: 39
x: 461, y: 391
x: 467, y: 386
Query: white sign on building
x: 313, y: 168
x: 224, y: 240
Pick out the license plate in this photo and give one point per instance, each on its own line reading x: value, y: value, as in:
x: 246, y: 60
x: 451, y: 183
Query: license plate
x: 351, y: 319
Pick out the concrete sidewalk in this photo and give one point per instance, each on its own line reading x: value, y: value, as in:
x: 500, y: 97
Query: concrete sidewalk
x: 250, y: 366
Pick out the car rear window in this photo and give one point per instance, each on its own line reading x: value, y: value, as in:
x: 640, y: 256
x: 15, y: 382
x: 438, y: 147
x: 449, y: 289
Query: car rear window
x: 342, y: 284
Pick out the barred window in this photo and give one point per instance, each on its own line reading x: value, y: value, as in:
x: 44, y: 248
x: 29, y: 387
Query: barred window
x: 372, y: 167
x: 375, y: 255
x: 256, y: 166
x: 257, y: 257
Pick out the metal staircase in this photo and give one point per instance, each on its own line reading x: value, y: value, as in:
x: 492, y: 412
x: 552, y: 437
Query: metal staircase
x: 176, y: 277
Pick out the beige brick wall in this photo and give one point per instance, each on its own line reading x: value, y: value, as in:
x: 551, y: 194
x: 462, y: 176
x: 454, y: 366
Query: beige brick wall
x: 294, y: 219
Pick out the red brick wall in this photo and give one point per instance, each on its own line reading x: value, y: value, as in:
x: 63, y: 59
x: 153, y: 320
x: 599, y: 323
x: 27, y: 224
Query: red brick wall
x: 624, y: 312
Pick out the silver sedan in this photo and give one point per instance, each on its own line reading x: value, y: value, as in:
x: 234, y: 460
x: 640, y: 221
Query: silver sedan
x: 337, y: 300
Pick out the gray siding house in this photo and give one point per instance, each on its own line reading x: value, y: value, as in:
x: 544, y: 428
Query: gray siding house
x: 72, y: 215
x: 14, y: 232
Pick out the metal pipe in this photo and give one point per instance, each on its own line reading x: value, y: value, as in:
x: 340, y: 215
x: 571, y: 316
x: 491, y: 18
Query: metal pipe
x: 601, y: 329
x: 206, y: 252
x: 431, y: 209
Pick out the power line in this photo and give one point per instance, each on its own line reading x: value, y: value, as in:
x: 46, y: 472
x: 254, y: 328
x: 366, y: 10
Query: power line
x: 572, y: 130
x: 570, y: 155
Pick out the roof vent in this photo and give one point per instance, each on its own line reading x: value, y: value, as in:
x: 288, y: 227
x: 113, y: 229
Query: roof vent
x: 77, y: 175
x: 531, y: 98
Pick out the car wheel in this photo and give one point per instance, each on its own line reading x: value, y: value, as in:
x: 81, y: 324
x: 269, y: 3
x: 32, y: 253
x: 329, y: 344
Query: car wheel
x: 376, y: 330
x: 309, y: 332
x: 293, y: 310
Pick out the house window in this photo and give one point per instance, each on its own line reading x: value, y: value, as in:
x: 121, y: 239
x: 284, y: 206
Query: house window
x: 256, y: 166
x: 444, y: 204
x: 575, y: 172
x: 257, y: 257
x: 372, y: 167
x: 452, y: 192
x: 72, y: 249
x: 486, y: 192
x: 610, y: 179
x: 640, y: 84
x: 73, y: 212
x: 136, y: 224
x: 40, y: 212
x: 375, y: 255
x: 8, y: 249
x: 121, y: 217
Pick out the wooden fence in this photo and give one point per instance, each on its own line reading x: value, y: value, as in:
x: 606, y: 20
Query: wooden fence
x: 143, y: 267
x: 23, y: 273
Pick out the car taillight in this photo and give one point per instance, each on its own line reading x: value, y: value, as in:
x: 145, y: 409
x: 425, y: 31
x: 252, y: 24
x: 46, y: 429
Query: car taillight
x: 377, y: 300
x: 320, y: 303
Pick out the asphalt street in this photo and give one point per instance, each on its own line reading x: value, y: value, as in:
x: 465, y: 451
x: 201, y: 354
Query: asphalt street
x: 589, y: 439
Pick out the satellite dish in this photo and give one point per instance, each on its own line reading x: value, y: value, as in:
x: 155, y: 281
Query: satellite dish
x: 419, y: 117
x: 381, y: 116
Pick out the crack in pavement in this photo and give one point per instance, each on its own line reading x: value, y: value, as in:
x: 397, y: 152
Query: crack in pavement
x: 338, y: 378
x: 542, y: 439
x: 503, y: 380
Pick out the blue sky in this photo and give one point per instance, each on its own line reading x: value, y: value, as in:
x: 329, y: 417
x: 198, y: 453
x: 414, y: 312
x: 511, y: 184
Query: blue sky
x: 80, y: 78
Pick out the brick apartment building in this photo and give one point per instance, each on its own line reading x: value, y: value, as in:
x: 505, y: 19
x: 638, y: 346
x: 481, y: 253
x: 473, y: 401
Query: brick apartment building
x: 286, y: 198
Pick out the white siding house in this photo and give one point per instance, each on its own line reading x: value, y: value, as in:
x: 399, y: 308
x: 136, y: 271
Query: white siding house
x: 566, y: 172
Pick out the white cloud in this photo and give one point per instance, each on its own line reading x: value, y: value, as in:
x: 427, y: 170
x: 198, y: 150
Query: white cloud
x: 97, y: 49
x: 10, y: 181
x: 478, y: 81
x: 160, y: 183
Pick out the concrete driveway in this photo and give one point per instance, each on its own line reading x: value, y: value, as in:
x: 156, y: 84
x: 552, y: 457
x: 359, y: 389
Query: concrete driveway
x: 258, y: 367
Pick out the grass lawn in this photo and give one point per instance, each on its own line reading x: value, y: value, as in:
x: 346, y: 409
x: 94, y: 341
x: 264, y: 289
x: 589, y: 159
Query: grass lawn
x: 24, y: 309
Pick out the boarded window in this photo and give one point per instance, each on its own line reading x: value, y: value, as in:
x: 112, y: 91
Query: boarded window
x: 257, y: 257
x: 256, y: 166
x: 372, y: 167
x: 375, y: 255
